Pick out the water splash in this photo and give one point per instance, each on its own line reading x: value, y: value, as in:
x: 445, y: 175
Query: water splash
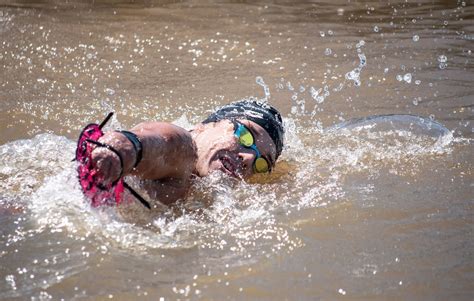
x: 318, y: 96
x: 385, y: 140
x: 354, y: 75
x: 266, y: 90
x: 238, y: 220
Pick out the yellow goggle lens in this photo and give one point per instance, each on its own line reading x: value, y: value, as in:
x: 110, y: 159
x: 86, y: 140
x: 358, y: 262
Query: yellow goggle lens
x: 261, y: 165
x: 246, y: 138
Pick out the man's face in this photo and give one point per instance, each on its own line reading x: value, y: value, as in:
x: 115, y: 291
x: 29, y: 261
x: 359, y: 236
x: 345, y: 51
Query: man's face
x: 219, y: 149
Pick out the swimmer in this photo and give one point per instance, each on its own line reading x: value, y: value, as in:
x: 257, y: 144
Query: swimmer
x: 240, y: 139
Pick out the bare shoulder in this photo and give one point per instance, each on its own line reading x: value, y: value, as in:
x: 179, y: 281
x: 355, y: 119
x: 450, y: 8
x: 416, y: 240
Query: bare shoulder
x: 168, y: 151
x: 155, y: 134
x: 159, y: 128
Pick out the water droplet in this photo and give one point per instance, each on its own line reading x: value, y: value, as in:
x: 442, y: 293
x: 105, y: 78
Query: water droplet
x: 376, y: 28
x: 442, y: 58
x: 341, y: 291
x: 322, y: 34
x: 328, y: 51
x: 416, y: 38
x: 110, y: 91
x: 266, y: 90
x: 289, y: 86
x: 407, y: 78
x: 354, y: 75
x: 362, y: 60
x: 10, y: 279
x: 103, y: 249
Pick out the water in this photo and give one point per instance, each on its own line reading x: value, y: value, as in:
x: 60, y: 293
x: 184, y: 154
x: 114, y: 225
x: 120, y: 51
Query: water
x: 369, y: 201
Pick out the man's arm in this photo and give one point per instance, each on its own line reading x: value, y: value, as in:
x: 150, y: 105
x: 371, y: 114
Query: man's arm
x: 168, y: 152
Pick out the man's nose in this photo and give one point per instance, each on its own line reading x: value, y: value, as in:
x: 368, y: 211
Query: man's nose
x: 247, y: 155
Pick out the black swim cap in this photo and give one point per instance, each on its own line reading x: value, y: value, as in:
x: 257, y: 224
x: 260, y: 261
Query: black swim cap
x: 257, y: 111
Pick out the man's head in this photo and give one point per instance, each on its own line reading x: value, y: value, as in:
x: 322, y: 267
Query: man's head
x: 239, y: 139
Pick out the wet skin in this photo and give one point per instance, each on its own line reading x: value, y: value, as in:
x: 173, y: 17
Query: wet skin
x: 172, y: 155
x: 218, y: 149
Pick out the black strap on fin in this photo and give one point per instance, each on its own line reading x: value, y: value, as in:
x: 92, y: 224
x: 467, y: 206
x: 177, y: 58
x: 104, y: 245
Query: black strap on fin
x: 100, y: 144
x: 138, y: 148
x: 135, y: 194
x: 132, y: 191
x: 101, y: 125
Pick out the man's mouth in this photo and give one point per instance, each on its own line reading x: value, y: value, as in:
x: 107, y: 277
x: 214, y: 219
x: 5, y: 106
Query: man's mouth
x: 229, y: 167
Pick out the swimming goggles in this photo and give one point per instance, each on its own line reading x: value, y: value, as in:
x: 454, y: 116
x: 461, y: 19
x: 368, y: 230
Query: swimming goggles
x: 246, y: 139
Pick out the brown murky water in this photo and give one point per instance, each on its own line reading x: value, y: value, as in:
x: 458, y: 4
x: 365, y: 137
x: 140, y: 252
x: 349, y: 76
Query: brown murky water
x: 378, y: 208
